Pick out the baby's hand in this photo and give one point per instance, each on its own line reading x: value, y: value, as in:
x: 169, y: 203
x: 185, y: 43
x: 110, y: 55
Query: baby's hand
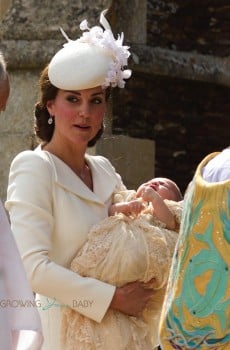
x: 147, y: 193
x: 135, y: 207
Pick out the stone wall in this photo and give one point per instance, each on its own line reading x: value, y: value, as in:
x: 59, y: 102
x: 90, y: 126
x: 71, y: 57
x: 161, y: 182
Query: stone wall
x: 179, y: 94
x: 16, y: 132
x: 190, y: 25
x: 186, y: 119
x: 4, y: 6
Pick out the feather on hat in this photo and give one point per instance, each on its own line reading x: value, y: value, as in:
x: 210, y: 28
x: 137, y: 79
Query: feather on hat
x: 95, y: 59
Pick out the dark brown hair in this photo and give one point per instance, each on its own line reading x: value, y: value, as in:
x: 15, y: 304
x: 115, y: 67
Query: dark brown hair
x: 44, y: 131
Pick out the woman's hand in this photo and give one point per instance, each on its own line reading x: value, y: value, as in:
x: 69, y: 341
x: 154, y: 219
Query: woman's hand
x: 132, y: 298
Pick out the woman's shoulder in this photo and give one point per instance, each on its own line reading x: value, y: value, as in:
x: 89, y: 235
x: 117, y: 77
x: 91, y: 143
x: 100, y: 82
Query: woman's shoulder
x: 31, y: 158
x: 29, y: 169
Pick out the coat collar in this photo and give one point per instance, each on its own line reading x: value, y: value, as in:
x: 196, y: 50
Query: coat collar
x: 103, y: 182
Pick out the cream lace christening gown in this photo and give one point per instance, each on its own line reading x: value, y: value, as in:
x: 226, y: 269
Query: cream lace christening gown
x: 120, y: 250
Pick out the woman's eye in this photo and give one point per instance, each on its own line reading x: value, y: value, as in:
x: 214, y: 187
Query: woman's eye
x: 72, y: 99
x: 97, y: 101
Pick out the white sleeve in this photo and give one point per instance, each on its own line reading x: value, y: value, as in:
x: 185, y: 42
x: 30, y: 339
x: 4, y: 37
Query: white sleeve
x: 218, y: 168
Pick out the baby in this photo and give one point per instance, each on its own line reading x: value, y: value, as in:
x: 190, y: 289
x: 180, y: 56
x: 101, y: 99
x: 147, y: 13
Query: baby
x: 135, y: 243
x: 155, y: 191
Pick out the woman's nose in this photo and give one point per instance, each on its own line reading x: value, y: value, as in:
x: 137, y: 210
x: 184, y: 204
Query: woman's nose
x: 84, y: 112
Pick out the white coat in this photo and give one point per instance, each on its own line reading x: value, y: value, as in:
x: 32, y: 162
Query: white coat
x: 51, y: 211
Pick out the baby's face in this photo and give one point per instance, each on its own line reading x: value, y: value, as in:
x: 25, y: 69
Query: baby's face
x: 164, y: 187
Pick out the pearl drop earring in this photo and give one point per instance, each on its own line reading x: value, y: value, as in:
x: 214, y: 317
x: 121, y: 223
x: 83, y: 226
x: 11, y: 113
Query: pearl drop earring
x: 50, y: 120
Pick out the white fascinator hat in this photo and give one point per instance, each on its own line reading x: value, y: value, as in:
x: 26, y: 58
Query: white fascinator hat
x: 95, y: 59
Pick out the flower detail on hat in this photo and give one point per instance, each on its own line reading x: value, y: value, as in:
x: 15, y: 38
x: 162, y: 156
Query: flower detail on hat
x: 105, y: 40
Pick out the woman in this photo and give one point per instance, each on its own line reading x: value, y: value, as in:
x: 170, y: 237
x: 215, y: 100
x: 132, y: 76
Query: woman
x: 57, y: 192
x: 20, y: 326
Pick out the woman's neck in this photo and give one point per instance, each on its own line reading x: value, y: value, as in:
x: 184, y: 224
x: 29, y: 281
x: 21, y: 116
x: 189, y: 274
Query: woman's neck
x: 73, y: 157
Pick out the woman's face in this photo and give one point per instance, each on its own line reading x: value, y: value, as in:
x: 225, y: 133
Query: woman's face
x: 78, y: 115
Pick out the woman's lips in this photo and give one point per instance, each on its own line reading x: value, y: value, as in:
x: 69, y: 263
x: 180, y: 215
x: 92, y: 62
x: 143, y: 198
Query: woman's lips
x: 82, y: 127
